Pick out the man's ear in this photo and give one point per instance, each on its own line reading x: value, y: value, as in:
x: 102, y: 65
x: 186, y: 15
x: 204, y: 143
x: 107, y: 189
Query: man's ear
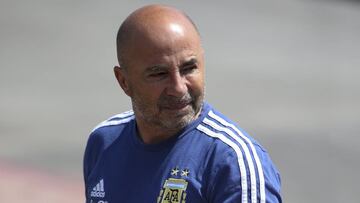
x: 121, y: 77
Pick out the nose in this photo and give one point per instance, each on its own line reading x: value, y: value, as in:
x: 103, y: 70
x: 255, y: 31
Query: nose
x: 177, y: 85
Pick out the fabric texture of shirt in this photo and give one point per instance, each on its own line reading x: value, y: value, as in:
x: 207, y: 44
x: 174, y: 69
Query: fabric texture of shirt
x: 211, y: 160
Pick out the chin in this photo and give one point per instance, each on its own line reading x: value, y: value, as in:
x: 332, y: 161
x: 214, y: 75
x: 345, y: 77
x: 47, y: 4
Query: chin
x: 178, y: 122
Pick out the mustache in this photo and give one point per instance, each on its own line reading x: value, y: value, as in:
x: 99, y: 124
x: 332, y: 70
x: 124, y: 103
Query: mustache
x: 168, y: 100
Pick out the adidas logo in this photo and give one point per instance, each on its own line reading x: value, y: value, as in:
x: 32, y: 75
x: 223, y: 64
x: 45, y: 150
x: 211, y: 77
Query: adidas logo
x: 98, y: 190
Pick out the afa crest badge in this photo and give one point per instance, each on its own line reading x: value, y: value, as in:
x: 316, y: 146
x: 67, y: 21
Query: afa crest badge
x: 174, y: 189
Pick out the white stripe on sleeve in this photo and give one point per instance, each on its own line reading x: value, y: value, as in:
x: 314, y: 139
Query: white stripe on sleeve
x: 246, y: 151
x: 238, y: 152
x: 256, y: 157
x: 113, y: 122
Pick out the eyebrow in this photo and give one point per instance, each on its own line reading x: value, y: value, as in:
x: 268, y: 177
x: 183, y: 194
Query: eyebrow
x: 161, y: 67
x: 191, y: 61
x: 155, y: 68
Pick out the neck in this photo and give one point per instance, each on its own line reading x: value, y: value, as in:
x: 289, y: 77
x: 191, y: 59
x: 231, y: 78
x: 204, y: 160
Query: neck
x: 152, y: 134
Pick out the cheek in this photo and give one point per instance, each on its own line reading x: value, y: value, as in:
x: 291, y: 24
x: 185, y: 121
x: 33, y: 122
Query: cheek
x: 149, y: 93
x: 197, y: 83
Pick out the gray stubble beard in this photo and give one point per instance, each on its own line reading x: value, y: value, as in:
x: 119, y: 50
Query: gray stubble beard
x: 167, y: 124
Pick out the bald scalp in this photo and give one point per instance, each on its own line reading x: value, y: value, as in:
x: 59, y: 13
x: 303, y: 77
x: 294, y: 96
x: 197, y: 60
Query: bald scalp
x: 142, y: 24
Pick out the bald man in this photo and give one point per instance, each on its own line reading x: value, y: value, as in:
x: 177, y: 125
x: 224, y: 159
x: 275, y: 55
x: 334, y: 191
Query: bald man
x: 172, y: 147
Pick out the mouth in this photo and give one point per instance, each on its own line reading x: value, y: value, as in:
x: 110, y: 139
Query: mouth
x: 178, y: 106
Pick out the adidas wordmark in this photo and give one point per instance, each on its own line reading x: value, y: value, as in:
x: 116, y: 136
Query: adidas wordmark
x: 98, y: 190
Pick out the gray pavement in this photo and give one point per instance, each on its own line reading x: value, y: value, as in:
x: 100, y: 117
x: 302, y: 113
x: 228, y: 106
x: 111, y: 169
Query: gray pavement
x: 286, y: 71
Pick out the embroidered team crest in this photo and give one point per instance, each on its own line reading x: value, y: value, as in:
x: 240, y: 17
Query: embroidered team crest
x: 174, y: 189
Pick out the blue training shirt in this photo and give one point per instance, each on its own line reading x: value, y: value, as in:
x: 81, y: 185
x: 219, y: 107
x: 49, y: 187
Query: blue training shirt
x: 211, y: 160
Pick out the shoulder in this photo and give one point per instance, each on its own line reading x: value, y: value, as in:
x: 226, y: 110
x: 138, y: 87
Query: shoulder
x: 227, y: 133
x: 238, y: 157
x: 102, y: 137
x: 117, y: 119
x: 108, y: 130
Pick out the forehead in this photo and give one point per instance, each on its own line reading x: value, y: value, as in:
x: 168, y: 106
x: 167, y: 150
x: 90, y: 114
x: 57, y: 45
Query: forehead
x: 177, y: 45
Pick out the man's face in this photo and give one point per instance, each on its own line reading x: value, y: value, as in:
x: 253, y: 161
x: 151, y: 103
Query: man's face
x: 165, y: 77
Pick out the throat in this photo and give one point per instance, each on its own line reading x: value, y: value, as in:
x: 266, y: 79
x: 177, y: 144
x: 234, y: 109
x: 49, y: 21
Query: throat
x: 155, y: 135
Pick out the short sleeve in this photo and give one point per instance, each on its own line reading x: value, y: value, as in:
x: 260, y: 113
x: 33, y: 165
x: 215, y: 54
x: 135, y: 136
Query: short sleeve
x: 228, y: 181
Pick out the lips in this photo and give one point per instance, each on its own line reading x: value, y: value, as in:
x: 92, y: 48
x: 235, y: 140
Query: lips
x: 176, y: 106
x: 179, y: 105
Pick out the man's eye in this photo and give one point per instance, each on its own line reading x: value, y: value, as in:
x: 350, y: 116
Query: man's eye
x: 158, y: 74
x: 188, y: 69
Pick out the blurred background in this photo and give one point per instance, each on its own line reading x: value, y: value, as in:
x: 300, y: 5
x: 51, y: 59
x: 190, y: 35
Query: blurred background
x: 286, y: 70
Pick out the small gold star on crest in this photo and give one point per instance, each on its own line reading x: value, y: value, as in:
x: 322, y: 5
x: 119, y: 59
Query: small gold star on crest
x: 185, y: 172
x: 175, y: 171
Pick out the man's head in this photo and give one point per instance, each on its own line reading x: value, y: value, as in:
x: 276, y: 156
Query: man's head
x: 161, y: 67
